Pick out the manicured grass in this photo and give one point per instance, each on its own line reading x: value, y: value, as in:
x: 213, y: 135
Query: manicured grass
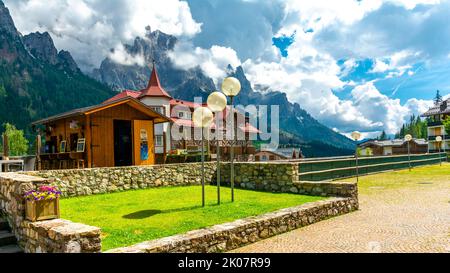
x: 417, y: 177
x: 131, y: 217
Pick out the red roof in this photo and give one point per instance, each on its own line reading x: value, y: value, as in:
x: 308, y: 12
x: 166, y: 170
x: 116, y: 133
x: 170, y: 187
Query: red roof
x: 183, y: 122
x: 190, y: 104
x: 154, y: 88
x: 248, y: 128
x: 124, y: 94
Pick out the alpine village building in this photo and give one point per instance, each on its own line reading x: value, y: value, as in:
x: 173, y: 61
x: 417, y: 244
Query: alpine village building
x: 393, y: 147
x: 131, y: 128
x: 180, y: 113
x: 435, y: 115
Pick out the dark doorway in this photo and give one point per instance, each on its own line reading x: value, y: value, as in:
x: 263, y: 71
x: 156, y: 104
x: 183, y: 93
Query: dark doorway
x: 123, y: 146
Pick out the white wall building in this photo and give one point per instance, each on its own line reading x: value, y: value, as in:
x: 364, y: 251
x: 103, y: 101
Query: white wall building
x: 439, y: 112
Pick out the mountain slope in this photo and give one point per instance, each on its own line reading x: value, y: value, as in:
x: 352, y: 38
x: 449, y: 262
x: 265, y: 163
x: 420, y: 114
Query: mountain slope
x: 193, y: 83
x: 36, y: 80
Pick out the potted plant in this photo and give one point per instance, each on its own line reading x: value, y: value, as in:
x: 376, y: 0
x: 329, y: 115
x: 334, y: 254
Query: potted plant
x: 42, y: 204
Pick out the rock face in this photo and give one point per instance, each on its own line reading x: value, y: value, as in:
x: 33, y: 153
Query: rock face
x: 154, y: 46
x: 6, y: 22
x: 36, y: 81
x: 66, y: 61
x: 11, y: 47
x: 41, y: 46
x: 193, y: 83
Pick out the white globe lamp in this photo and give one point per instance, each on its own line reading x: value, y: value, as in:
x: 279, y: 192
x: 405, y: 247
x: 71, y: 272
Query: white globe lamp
x: 202, y: 117
x: 217, y: 102
x: 231, y: 87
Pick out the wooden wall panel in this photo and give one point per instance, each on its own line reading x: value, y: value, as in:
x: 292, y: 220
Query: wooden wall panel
x: 103, y: 132
x: 148, y: 126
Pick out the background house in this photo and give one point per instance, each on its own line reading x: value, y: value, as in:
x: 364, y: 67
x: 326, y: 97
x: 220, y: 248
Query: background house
x: 392, y: 147
x: 117, y: 133
x: 279, y: 154
x: 435, y: 115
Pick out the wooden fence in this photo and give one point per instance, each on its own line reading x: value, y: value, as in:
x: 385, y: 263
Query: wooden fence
x: 341, y: 167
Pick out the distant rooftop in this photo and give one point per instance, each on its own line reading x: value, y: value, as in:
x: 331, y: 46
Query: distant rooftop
x: 441, y: 108
x: 392, y: 142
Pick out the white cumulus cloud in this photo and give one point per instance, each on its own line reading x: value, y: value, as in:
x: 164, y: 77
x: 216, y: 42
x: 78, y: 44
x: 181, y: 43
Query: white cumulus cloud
x: 90, y: 28
x: 213, y: 61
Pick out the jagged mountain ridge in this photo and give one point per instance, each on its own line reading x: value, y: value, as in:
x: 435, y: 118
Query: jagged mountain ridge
x: 36, y: 80
x: 193, y: 83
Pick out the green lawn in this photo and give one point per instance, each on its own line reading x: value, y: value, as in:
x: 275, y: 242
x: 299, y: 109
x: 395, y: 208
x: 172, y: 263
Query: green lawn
x: 131, y: 217
x: 417, y: 177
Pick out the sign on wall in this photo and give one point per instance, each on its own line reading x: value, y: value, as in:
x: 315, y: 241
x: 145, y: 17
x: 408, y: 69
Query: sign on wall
x: 144, y: 144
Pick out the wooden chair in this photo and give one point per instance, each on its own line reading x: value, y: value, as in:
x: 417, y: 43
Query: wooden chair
x: 77, y: 160
x: 64, y: 161
x: 80, y: 162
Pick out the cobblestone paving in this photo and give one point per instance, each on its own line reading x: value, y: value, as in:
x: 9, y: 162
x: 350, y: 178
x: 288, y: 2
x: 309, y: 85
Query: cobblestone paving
x: 410, y: 216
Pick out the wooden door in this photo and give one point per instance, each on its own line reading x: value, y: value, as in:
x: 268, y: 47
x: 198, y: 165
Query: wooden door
x: 102, y: 142
x: 123, y: 145
x: 144, y: 148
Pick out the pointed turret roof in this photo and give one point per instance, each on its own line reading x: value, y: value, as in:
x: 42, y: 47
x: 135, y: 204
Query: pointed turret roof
x: 154, y: 88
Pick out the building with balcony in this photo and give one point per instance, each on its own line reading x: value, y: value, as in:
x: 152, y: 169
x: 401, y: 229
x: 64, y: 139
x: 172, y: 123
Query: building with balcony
x: 435, y: 115
x: 393, y: 147
x: 180, y: 113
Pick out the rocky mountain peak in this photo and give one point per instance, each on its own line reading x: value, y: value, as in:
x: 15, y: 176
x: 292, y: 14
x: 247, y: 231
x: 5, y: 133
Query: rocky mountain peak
x: 187, y: 84
x: 41, y: 46
x: 67, y: 62
x: 6, y: 21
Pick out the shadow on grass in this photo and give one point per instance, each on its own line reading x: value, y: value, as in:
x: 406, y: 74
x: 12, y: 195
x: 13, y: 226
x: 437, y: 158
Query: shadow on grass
x: 149, y: 213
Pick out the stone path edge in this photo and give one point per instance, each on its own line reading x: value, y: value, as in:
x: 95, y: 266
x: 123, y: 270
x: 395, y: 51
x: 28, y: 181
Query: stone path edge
x: 232, y: 235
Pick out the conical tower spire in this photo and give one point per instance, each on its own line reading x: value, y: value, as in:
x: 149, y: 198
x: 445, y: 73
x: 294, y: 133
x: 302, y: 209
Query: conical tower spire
x: 154, y: 88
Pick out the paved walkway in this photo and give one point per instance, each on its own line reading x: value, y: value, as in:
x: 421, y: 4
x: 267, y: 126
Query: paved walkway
x: 409, y: 215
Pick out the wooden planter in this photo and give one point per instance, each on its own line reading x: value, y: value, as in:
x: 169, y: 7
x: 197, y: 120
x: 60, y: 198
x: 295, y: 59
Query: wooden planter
x: 42, y: 210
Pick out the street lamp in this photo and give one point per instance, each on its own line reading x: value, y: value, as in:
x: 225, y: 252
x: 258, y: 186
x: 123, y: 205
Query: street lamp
x: 231, y: 88
x: 408, y: 139
x: 217, y: 102
x: 356, y: 136
x: 439, y: 140
x: 202, y: 117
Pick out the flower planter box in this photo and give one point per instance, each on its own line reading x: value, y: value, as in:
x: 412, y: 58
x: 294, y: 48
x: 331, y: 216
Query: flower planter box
x: 42, y: 210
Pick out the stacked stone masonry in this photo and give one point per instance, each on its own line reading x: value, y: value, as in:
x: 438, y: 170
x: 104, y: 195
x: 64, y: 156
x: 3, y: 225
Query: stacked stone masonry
x: 236, y: 234
x: 64, y: 236
x: 106, y: 180
x: 52, y: 236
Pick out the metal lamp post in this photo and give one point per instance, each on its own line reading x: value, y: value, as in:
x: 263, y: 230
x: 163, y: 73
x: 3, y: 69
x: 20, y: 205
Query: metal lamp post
x: 356, y: 136
x: 408, y: 139
x: 202, y: 117
x: 439, y: 141
x: 217, y: 102
x: 231, y: 88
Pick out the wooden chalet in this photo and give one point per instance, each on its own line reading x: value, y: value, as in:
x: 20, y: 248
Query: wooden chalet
x: 116, y: 133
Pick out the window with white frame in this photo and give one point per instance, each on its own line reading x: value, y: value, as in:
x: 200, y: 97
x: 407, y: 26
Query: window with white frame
x: 159, y: 140
x: 180, y: 114
x: 158, y: 109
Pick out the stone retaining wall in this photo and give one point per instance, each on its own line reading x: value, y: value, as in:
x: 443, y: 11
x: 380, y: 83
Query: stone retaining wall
x: 232, y: 235
x: 270, y: 176
x: 48, y: 236
x: 264, y: 176
x: 283, y: 177
x: 106, y: 180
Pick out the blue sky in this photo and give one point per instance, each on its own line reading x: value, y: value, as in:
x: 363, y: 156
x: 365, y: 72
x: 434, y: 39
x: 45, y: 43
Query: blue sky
x: 362, y: 65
